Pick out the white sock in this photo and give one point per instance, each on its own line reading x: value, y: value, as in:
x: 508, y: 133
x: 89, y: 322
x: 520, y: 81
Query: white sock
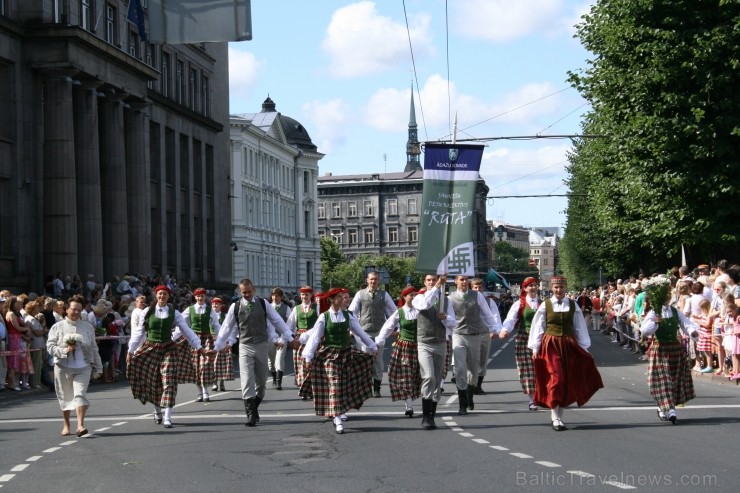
x: 168, y: 414
x: 661, y: 413
x: 559, y: 410
x: 409, y: 404
x: 531, y: 399
x: 554, y: 414
x: 337, y: 420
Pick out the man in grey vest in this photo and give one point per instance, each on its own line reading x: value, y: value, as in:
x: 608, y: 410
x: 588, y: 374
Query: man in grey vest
x: 485, y: 340
x: 372, y: 307
x: 473, y: 316
x: 255, y: 323
x: 434, y: 325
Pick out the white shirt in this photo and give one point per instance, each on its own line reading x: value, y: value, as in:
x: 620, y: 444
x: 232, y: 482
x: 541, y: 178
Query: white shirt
x: 649, y: 326
x: 292, y: 321
x: 493, y: 323
x: 138, y: 333
x: 201, y: 309
x: 513, y: 316
x: 433, y: 297
x: 230, y: 328
x: 336, y: 317
x: 539, y: 324
x: 394, y: 322
x: 356, y: 306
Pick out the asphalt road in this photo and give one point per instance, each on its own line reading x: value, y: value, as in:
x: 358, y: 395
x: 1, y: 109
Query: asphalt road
x: 614, y: 443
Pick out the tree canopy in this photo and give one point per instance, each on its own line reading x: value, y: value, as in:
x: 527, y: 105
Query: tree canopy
x: 665, y: 107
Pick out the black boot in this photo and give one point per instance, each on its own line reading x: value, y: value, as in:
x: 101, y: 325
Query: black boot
x: 279, y: 380
x: 434, y: 413
x: 250, y: 409
x: 257, y: 401
x: 479, y: 387
x: 426, y: 413
x: 274, y: 379
x: 471, y: 393
x: 376, y: 388
x: 462, y: 396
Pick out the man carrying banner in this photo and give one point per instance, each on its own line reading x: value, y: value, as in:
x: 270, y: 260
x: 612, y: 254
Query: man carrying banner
x: 372, y: 307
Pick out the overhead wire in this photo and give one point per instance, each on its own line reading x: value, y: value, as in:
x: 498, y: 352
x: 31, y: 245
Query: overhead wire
x: 413, y: 64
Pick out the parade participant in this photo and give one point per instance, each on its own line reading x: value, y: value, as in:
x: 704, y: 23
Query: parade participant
x: 564, y: 371
x: 276, y: 357
x: 520, y: 315
x: 153, y: 355
x: 205, y: 323
x: 471, y: 313
x: 435, y: 322
x: 332, y: 368
x: 76, y: 360
x: 301, y: 319
x: 255, y: 323
x: 372, y: 307
x: 404, y: 378
x: 485, y: 340
x: 223, y: 367
x: 669, y: 374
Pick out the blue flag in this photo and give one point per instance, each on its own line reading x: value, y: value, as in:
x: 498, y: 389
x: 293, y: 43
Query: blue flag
x: 136, y: 15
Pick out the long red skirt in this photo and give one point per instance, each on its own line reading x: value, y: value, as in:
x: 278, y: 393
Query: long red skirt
x: 564, y: 373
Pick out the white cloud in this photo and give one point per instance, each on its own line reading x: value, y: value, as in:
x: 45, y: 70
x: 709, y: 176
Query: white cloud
x: 329, y: 123
x: 525, y: 168
x: 504, y: 20
x: 243, y: 69
x: 359, y: 41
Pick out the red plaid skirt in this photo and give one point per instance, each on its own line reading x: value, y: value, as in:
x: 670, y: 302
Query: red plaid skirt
x: 187, y: 369
x: 564, y: 373
x: 524, y: 363
x: 669, y: 375
x: 404, y: 376
x: 203, y: 364
x: 339, y: 379
x: 704, y: 344
x: 152, y: 373
x: 223, y: 365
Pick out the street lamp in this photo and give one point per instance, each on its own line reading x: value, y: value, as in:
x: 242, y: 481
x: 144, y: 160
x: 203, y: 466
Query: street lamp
x: 336, y: 237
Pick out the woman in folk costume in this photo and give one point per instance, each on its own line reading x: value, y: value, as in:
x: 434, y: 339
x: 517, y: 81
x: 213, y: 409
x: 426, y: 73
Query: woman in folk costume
x: 205, y: 323
x: 301, y: 319
x: 223, y: 366
x: 404, y: 377
x: 153, y: 356
x: 669, y: 374
x: 332, y: 372
x: 520, y: 315
x: 564, y: 370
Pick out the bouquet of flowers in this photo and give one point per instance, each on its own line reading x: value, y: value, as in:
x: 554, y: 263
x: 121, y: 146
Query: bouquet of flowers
x: 72, y: 339
x: 657, y: 289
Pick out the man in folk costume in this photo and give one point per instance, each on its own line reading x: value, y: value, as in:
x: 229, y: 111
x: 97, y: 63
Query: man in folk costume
x: 434, y: 325
x: 564, y: 371
x: 205, y: 323
x: 404, y: 378
x: 473, y: 317
x: 485, y: 339
x: 520, y: 315
x: 373, y: 306
x: 669, y: 374
x: 276, y: 356
x: 223, y: 366
x: 301, y: 319
x: 255, y: 323
x: 333, y: 370
x: 153, y: 355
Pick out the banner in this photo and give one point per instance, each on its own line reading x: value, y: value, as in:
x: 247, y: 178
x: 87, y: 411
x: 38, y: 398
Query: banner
x: 447, y: 217
x: 199, y: 21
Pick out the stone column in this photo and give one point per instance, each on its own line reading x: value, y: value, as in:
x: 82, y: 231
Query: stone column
x: 113, y: 180
x: 87, y: 152
x: 137, y: 186
x: 60, y: 191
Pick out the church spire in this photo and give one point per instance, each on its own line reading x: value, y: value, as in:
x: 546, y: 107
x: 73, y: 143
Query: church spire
x: 412, y: 145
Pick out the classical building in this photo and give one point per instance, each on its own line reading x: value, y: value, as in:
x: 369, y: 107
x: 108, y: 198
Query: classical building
x: 543, y: 248
x: 274, y: 169
x: 113, y: 154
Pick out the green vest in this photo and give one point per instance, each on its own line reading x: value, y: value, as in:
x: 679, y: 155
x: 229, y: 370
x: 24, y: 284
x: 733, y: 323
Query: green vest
x: 668, y: 328
x: 336, y: 334
x: 160, y: 329
x: 560, y: 323
x: 200, y: 323
x: 408, y: 327
x: 527, y: 317
x: 305, y: 321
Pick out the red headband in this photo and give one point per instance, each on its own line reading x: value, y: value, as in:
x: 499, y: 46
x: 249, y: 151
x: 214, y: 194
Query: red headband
x: 162, y: 287
x: 528, y: 281
x: 333, y: 292
x: 199, y: 291
x: 305, y: 290
x: 407, y: 291
x: 216, y: 300
x: 558, y: 280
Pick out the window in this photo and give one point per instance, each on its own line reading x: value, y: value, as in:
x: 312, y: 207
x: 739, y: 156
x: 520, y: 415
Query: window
x: 165, y: 80
x: 412, y: 207
x: 413, y: 234
x: 352, y: 237
x: 392, y: 234
x: 351, y: 209
x: 179, y: 82
x: 204, y: 97
x: 369, y: 236
x: 85, y: 15
x: 322, y: 210
x: 336, y: 210
x: 392, y: 207
x: 111, y: 35
x: 60, y: 11
x: 336, y: 235
x: 193, y: 89
x: 149, y: 61
x: 133, y: 44
x: 368, y: 206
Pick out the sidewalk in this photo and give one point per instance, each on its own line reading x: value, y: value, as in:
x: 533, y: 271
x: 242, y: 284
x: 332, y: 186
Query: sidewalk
x: 720, y: 379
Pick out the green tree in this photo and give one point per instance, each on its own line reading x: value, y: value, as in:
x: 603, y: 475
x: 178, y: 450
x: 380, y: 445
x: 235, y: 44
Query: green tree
x: 511, y: 259
x: 662, y: 85
x: 351, y: 275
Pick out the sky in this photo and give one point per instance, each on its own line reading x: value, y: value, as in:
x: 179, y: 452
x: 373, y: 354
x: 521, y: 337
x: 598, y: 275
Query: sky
x: 345, y: 71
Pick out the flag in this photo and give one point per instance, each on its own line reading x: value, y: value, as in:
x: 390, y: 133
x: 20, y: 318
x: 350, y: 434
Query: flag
x: 494, y: 277
x: 448, y: 201
x: 199, y: 21
x: 136, y: 15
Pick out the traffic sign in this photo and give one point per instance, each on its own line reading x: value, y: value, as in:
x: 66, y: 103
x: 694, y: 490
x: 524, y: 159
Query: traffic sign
x: 532, y: 262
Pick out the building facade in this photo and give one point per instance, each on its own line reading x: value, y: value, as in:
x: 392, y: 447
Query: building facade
x: 274, y: 170
x: 113, y: 152
x: 543, y: 248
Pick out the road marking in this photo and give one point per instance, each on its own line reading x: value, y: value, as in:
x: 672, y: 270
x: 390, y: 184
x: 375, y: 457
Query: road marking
x: 120, y: 423
x: 582, y: 474
x: 457, y: 428
x: 499, y: 447
x: 480, y: 440
x: 546, y: 463
x: 521, y: 455
x: 50, y: 450
x: 6, y: 477
x: 450, y: 423
x: 446, y: 418
x: 466, y: 435
x: 64, y: 444
x: 101, y: 429
x: 34, y: 458
x: 20, y: 467
x: 620, y: 485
